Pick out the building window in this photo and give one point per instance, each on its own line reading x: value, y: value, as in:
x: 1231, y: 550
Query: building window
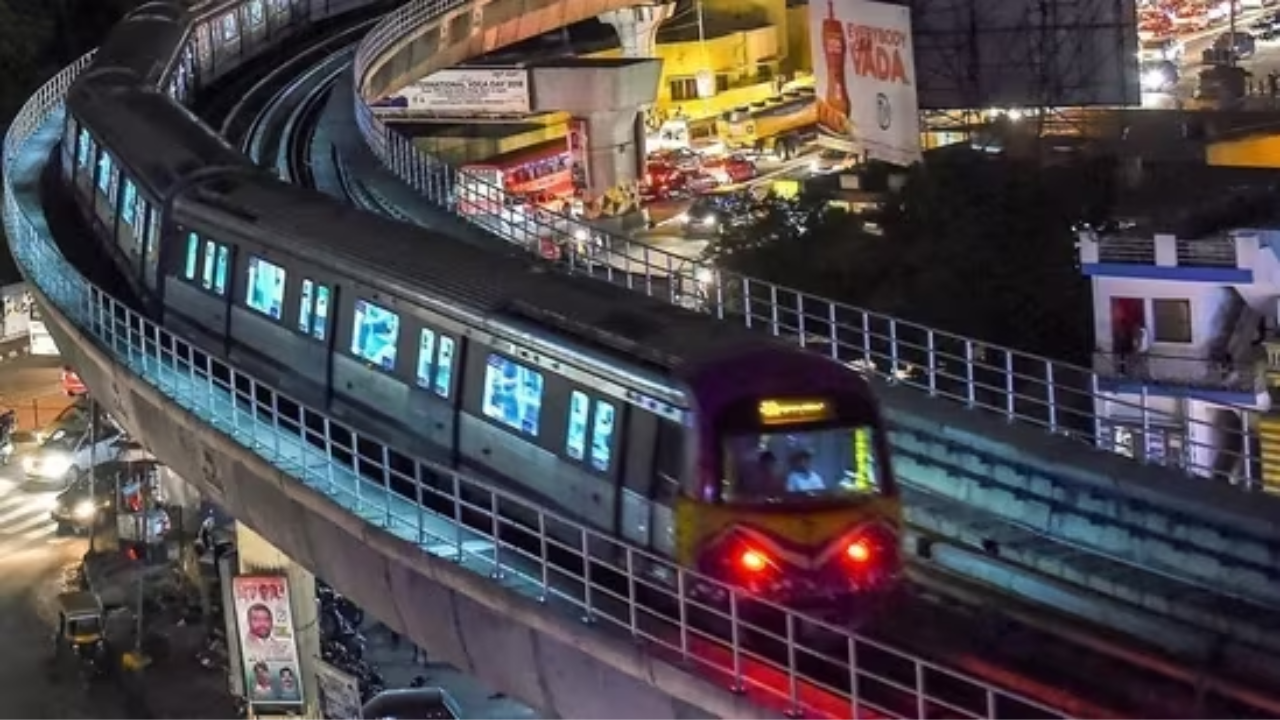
x: 1172, y: 321
x: 684, y: 89
x: 722, y: 84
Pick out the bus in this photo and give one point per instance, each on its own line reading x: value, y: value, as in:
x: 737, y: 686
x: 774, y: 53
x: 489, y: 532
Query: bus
x: 537, y: 172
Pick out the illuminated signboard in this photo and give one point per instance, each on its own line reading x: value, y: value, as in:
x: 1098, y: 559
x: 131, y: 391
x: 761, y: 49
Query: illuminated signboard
x: 792, y: 412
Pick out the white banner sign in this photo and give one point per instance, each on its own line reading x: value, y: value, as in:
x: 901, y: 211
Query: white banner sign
x: 17, y: 311
x: 339, y: 693
x: 268, y: 647
x: 463, y: 92
x: 866, y: 82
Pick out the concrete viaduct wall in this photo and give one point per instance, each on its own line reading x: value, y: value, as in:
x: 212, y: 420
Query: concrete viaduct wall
x: 469, y: 31
x: 545, y: 659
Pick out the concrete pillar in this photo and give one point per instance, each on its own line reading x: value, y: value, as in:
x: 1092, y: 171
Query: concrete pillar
x: 638, y: 27
x: 259, y: 556
x: 611, y: 153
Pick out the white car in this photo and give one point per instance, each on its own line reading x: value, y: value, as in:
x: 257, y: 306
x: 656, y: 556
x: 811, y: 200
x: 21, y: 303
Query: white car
x: 62, y: 455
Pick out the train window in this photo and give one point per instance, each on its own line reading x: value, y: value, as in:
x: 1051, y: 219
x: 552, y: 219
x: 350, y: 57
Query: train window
x: 321, y: 327
x: 229, y: 29
x: 444, y: 367
x: 668, y: 461
x: 220, y: 274
x: 193, y: 256
x: 127, y: 205
x: 104, y: 172
x: 255, y: 12
x: 374, y: 333
x: 575, y: 444
x: 304, y: 306
x: 602, y: 435
x: 426, y: 357
x: 84, y: 149
x: 265, y: 290
x: 281, y: 6
x: 512, y: 394
x: 210, y: 254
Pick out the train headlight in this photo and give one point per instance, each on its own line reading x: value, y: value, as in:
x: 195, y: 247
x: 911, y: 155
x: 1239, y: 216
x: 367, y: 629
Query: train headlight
x: 1153, y: 80
x: 704, y: 276
x: 55, y: 465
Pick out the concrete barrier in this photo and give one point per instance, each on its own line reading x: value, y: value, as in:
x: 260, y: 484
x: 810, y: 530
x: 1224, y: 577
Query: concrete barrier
x: 545, y: 658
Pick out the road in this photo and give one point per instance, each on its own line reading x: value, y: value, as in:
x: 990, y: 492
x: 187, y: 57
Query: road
x: 35, y: 565
x: 1265, y: 60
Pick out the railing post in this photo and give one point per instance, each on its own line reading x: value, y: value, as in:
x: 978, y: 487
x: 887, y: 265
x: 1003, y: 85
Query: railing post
x: 773, y: 309
x: 1246, y: 449
x: 735, y: 644
x: 855, y: 700
x: 971, y: 390
x: 328, y: 453
x: 386, y: 486
x: 633, y: 619
x: 1010, y: 387
x: 1099, y: 427
x: 418, y: 501
x: 456, y: 483
x: 793, y: 680
x: 682, y: 612
x: 544, y: 564
x: 893, y: 350
x: 747, y: 310
x: 833, y: 331
x: 1051, y: 395
x: 800, y: 321
x: 1141, y: 453
x: 587, y: 594
x: 275, y: 419
x: 931, y: 342
x: 922, y: 703
x: 494, y: 509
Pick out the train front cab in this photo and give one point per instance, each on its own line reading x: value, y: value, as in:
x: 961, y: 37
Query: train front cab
x: 801, y: 508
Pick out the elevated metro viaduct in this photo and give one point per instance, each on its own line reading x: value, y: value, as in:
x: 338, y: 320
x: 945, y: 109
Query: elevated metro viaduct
x: 549, y: 660
x: 1146, y: 514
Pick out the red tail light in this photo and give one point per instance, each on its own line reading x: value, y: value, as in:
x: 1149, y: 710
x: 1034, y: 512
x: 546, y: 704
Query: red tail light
x: 753, y: 561
x: 859, y: 551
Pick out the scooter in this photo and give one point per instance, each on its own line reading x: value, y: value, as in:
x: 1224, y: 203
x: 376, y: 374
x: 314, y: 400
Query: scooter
x: 8, y: 423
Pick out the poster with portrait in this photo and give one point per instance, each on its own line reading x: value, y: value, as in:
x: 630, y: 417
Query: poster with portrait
x: 268, y: 645
x: 339, y: 693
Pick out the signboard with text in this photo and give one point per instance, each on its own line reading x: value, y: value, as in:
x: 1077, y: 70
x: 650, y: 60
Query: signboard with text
x: 463, y: 92
x: 268, y: 645
x: 864, y: 68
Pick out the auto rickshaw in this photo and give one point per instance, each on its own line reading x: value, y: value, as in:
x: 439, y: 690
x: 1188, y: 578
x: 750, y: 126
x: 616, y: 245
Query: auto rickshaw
x: 82, y: 630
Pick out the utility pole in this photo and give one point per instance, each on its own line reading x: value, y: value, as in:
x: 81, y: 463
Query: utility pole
x: 145, y: 555
x: 93, y: 474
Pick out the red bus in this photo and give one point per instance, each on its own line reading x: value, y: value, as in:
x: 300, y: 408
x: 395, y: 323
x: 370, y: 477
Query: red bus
x: 539, y: 171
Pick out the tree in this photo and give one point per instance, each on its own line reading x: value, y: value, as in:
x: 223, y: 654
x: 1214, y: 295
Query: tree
x: 974, y: 245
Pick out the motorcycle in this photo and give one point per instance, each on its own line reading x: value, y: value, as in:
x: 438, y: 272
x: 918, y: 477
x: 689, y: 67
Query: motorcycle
x: 8, y: 423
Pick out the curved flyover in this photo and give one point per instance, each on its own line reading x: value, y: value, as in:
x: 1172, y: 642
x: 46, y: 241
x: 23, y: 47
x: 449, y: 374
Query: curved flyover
x: 472, y: 596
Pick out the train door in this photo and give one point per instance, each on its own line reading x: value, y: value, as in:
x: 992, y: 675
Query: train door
x: 106, y: 188
x: 650, y: 481
x: 86, y: 153
x: 68, y: 148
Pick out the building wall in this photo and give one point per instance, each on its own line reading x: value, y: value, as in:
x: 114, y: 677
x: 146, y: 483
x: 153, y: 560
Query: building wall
x: 1208, y: 303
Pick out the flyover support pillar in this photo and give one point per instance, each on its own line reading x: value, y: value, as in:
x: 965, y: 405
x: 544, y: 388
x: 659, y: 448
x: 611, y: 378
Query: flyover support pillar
x: 638, y: 27
x: 260, y: 557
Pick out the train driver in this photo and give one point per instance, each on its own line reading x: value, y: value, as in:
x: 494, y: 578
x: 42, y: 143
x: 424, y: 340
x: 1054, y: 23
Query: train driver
x: 801, y: 477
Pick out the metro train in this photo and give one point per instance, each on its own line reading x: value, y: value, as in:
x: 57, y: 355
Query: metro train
x: 749, y: 460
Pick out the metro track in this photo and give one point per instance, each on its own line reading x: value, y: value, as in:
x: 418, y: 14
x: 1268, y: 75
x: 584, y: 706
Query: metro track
x: 970, y: 601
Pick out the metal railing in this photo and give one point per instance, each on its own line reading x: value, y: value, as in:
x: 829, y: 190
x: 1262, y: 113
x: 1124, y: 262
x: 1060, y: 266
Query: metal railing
x: 1202, y: 252
x: 747, y: 644
x: 1021, y: 387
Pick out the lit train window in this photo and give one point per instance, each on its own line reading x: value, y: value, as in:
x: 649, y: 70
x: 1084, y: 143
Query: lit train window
x: 575, y: 444
x: 444, y: 367
x: 426, y: 357
x: 304, y: 306
x: 210, y: 254
x: 104, y: 172
x: 84, y: 149
x: 602, y: 435
x: 321, y: 327
x: 193, y: 256
x: 265, y: 289
x: 512, y: 394
x: 127, y: 208
x: 375, y: 331
x: 220, y: 274
x: 229, y: 29
x: 255, y: 12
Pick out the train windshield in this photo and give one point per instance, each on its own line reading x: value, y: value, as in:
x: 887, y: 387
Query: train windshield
x: 800, y: 465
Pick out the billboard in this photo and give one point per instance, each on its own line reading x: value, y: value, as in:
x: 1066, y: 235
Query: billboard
x: 462, y: 92
x: 268, y: 646
x: 864, y: 70
x: 981, y: 54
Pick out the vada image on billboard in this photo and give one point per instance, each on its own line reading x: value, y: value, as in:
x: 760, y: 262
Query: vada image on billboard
x: 864, y: 70
x: 268, y: 646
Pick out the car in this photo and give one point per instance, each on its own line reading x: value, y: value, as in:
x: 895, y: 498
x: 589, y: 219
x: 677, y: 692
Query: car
x: 72, y: 385
x: 61, y: 456
x: 1159, y: 76
x: 86, y: 502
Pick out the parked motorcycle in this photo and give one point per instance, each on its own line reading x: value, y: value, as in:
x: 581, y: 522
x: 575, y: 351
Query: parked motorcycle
x: 8, y: 424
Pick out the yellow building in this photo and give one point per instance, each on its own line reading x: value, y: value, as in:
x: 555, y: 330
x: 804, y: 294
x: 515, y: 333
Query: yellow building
x: 742, y: 52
